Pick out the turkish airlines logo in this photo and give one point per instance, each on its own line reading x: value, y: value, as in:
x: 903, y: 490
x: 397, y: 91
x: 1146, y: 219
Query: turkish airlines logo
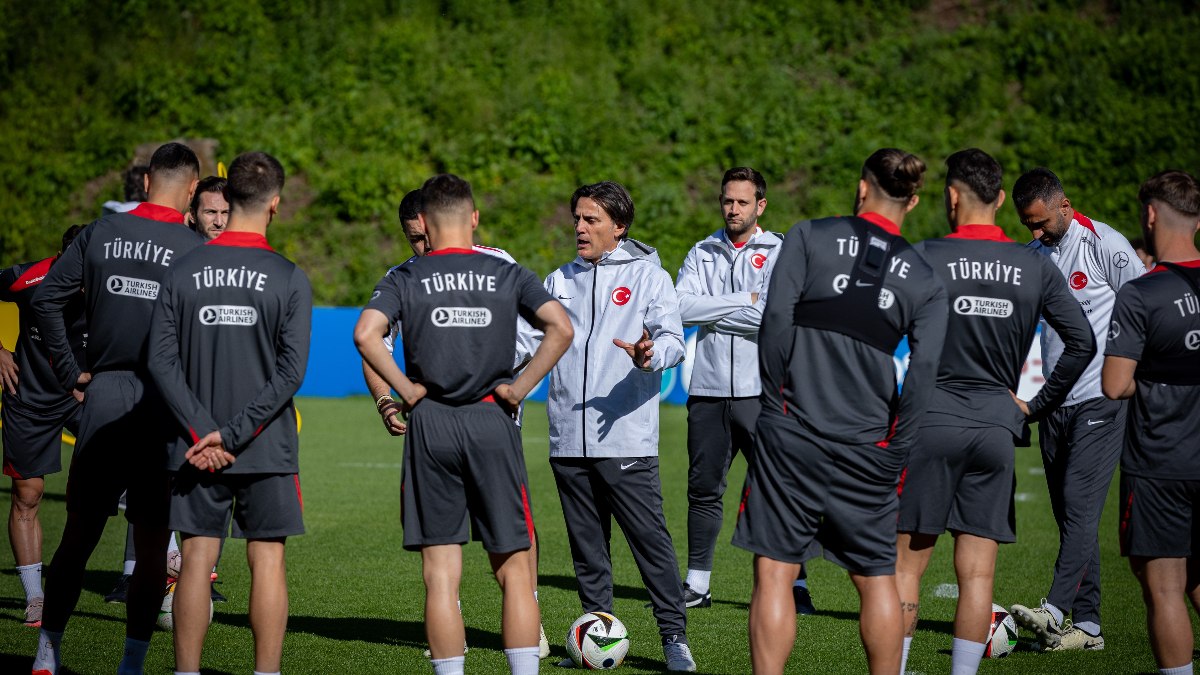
x: 758, y: 260
x: 134, y: 288
x: 1078, y: 280
x: 1114, y: 330
x: 461, y: 317
x: 1192, y: 340
x: 621, y: 295
x: 228, y: 315
x: 970, y: 305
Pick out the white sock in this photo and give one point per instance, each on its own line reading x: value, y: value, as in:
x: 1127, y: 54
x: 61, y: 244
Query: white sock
x: 1180, y: 670
x: 965, y: 656
x: 450, y: 666
x: 189, y: 672
x: 31, y: 579
x: 1090, y: 627
x: 698, y: 580
x: 128, y: 569
x: 134, y: 658
x: 522, y: 660
x: 1056, y: 612
x: 904, y: 655
x: 48, y: 657
x: 259, y: 672
x: 802, y: 583
x: 173, y: 545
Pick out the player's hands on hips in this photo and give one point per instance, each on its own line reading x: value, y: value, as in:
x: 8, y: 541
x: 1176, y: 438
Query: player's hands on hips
x: 1020, y: 404
x: 390, y: 412
x: 640, y: 352
x: 209, y: 453
x: 80, y: 385
x: 508, y: 399
x: 412, y: 397
x: 8, y: 371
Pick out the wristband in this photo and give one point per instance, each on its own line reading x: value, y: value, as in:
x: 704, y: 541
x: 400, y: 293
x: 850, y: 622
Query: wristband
x: 380, y: 401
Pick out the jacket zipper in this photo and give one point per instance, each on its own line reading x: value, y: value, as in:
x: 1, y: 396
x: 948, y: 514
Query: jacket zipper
x: 587, y: 345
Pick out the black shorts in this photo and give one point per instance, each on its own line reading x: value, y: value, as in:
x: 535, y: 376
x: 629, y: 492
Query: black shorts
x: 460, y: 461
x: 33, y: 438
x: 803, y: 491
x: 960, y: 479
x: 264, y: 506
x: 122, y: 445
x: 1160, y: 517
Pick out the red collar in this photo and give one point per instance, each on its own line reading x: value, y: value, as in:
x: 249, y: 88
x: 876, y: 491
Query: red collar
x: 889, y: 226
x: 1086, y: 222
x: 979, y: 232
x: 453, y: 251
x: 241, y: 240
x: 1193, y: 264
x: 164, y: 214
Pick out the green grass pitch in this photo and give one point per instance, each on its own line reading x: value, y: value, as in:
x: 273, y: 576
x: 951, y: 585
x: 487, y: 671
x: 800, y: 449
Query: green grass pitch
x: 356, y: 595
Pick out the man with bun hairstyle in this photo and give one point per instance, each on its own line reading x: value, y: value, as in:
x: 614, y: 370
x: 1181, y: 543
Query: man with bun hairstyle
x: 121, y: 260
x: 1153, y: 357
x: 960, y: 471
x: 834, y: 435
x: 463, y: 463
x: 1081, y: 440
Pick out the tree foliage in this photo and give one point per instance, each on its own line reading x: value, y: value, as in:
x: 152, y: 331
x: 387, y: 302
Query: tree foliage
x: 528, y: 99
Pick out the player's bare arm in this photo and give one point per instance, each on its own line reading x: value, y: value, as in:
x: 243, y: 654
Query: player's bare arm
x: 371, y: 327
x: 640, y: 351
x: 8, y: 370
x: 1116, y: 378
x: 554, y: 322
x: 385, y: 405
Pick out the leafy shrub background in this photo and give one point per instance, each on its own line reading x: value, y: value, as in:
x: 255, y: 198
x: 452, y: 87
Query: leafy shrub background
x: 528, y: 99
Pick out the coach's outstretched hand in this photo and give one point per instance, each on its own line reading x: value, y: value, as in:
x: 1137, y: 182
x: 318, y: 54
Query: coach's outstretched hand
x: 639, y: 352
x: 209, y: 453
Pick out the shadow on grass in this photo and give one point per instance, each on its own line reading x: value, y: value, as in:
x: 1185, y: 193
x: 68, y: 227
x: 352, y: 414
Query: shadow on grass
x: 944, y: 627
x: 23, y: 663
x: 572, y: 584
x: 46, y: 496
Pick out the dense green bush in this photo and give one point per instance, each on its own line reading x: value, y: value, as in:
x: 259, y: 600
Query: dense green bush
x: 528, y: 99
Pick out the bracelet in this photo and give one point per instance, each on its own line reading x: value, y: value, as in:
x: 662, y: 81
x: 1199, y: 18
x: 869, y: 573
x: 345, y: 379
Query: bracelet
x: 379, y: 402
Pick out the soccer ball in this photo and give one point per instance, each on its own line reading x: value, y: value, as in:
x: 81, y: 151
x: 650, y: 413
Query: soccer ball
x: 1002, y: 636
x: 166, y: 617
x: 174, y: 564
x: 598, y: 641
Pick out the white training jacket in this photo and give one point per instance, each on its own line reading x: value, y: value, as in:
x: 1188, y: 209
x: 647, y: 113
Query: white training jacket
x: 599, y: 404
x: 714, y: 287
x: 1096, y: 261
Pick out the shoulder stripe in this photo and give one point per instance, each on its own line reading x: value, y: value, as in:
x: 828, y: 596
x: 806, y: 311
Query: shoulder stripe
x: 1086, y: 222
x: 32, y: 276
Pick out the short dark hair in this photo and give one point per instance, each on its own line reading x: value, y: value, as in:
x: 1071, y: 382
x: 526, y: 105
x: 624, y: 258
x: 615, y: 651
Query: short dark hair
x: 173, y: 160
x: 900, y: 174
x: 446, y: 192
x: 612, y: 197
x: 747, y: 174
x: 135, y: 183
x: 254, y: 178
x: 209, y: 184
x: 410, y: 206
x: 70, y: 234
x: 1175, y: 188
x: 1040, y: 184
x: 978, y: 171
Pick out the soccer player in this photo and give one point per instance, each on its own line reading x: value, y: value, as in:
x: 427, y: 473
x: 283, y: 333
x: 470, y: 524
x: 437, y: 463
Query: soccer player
x: 832, y: 438
x: 1152, y: 357
x: 960, y: 471
x: 1081, y: 440
x: 387, y: 407
x: 120, y: 260
x: 35, y: 411
x: 209, y: 211
x: 463, y: 462
x: 719, y: 287
x: 603, y: 410
x: 228, y: 350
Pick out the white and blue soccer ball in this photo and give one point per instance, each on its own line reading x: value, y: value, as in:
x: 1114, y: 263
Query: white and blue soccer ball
x: 598, y: 641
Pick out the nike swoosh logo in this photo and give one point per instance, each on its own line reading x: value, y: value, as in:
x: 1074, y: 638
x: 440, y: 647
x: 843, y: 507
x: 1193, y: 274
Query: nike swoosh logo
x: 1094, y: 422
x: 858, y: 282
x: 626, y: 466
